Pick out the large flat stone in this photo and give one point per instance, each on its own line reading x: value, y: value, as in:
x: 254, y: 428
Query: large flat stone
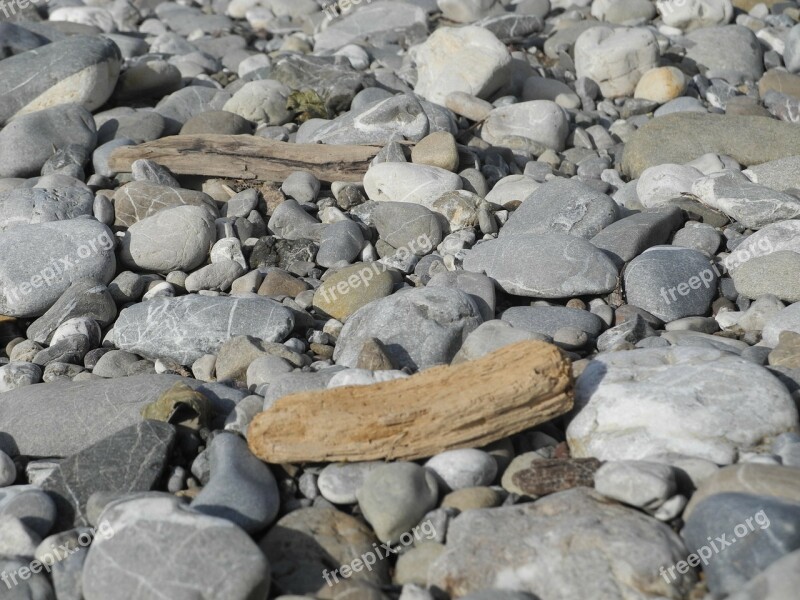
x: 187, y: 327
x: 682, y: 137
x: 64, y: 417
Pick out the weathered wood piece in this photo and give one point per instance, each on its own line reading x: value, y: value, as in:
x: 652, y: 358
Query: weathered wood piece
x: 463, y: 406
x: 247, y: 157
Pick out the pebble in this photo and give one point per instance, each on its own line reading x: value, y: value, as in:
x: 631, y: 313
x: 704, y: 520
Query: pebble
x: 693, y: 14
x: 395, y: 497
x: 406, y: 182
x: 459, y: 469
x: 661, y: 85
x: 339, y: 482
x: 787, y: 319
x: 472, y: 498
x: 352, y: 288
x: 43, y: 245
x: 766, y: 275
x: 437, y: 150
x: 138, y: 200
x: 643, y: 484
x: 726, y: 51
x: 547, y: 320
x: 490, y: 336
x: 530, y: 126
x: 624, y: 240
x: 682, y: 137
x: 30, y: 505
x: 241, y: 489
x: 8, y: 471
x: 753, y: 205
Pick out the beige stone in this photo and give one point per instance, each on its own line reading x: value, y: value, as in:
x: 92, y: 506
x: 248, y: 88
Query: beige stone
x: 661, y: 85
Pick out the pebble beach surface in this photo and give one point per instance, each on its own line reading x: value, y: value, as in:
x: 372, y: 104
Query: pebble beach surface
x: 399, y: 299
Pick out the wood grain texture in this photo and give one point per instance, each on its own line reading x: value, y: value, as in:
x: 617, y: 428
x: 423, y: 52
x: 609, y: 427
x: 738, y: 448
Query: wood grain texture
x: 464, y: 406
x: 247, y: 157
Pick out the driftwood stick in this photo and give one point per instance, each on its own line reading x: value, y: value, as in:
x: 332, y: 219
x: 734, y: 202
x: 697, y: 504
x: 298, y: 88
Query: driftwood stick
x: 247, y: 157
x: 464, y: 406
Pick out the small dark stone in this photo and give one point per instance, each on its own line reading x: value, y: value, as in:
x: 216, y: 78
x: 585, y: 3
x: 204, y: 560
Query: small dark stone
x: 549, y: 476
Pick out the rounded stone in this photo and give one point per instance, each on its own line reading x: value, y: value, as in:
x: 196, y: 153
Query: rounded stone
x: 457, y: 469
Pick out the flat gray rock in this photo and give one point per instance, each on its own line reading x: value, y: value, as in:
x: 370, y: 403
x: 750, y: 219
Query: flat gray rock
x: 552, y: 265
x: 40, y: 205
x: 41, y: 261
x: 131, y: 460
x: 562, y: 206
x: 671, y: 282
x: 64, y: 417
x: 531, y: 548
x: 388, y: 21
x: 547, y: 320
x: 175, y: 239
x: 728, y: 51
x: 403, y: 224
x: 340, y: 241
x: 782, y: 174
x: 79, y: 69
x: 419, y: 328
x: 395, y: 497
x: 116, y: 566
x: 753, y: 205
x: 781, y: 236
x: 31, y: 139
x: 624, y: 240
x: 141, y: 199
x: 682, y: 137
x: 768, y: 275
x: 187, y: 327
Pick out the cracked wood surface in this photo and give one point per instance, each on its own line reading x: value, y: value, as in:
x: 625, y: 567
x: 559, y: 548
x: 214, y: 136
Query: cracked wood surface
x: 464, y: 406
x: 248, y: 157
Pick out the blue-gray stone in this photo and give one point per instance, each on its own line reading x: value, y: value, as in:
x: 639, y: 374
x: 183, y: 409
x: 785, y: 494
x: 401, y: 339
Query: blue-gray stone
x: 241, y: 489
x: 747, y: 548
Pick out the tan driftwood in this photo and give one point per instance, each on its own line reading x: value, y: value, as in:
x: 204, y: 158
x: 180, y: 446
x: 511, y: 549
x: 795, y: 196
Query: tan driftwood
x: 247, y: 157
x: 464, y: 406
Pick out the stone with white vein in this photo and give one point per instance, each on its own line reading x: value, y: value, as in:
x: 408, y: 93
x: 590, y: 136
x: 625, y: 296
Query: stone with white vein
x: 694, y: 401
